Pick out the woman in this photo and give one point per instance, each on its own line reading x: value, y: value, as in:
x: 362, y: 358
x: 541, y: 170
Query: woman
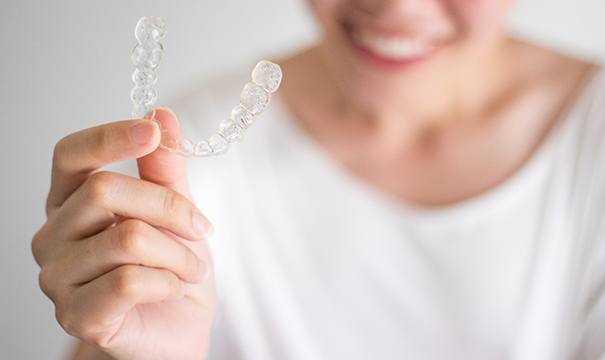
x: 424, y: 186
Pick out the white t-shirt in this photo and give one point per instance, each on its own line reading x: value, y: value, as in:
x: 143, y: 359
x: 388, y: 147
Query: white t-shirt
x: 314, y: 263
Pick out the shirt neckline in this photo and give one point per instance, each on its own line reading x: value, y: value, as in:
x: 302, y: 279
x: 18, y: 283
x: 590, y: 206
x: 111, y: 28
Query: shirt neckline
x: 470, y: 209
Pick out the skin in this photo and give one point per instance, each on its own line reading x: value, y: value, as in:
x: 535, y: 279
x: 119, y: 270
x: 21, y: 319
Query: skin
x: 442, y: 130
x: 125, y: 260
x: 124, y: 274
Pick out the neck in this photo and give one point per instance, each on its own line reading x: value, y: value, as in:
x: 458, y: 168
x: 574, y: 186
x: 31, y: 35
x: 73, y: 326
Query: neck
x: 457, y: 85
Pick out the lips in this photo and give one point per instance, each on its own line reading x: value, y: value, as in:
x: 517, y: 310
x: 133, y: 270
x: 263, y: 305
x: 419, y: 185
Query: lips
x: 389, y: 48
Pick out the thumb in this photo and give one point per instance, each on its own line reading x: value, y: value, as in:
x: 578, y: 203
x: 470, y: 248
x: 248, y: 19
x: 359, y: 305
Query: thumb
x: 162, y: 166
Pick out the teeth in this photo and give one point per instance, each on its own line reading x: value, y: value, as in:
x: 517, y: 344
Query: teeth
x: 392, y: 47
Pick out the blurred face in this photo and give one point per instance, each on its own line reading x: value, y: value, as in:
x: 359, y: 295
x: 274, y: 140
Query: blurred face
x: 378, y: 49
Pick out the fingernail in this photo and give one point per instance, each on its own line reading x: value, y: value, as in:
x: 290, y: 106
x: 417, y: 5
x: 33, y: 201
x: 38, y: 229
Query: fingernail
x: 150, y: 114
x: 141, y: 133
x: 168, y: 110
x: 201, y: 225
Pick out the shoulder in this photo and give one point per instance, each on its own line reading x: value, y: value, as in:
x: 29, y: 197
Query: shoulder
x: 576, y: 87
x: 588, y: 115
x: 582, y: 139
x: 551, y: 73
x: 573, y: 91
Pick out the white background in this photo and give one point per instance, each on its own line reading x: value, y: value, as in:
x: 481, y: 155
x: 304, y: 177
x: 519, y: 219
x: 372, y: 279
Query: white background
x: 64, y: 65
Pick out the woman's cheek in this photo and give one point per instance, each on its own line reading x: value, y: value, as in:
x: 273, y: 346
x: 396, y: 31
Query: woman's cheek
x: 325, y: 10
x: 479, y: 18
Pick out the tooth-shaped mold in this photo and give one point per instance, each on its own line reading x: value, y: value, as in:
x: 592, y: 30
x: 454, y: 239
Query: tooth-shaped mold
x: 202, y: 148
x: 243, y: 116
x: 218, y: 144
x: 144, y: 77
x: 185, y: 147
x: 254, y: 98
x: 143, y: 95
x: 146, y: 56
x: 150, y: 30
x: 231, y: 130
x: 268, y: 75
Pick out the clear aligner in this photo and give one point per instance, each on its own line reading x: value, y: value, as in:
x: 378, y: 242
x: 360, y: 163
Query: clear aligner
x: 254, y: 98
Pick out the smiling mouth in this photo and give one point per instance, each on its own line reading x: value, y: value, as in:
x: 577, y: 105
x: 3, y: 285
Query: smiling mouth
x: 390, y: 50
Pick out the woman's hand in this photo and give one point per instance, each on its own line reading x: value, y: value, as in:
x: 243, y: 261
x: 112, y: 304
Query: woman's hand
x: 124, y: 259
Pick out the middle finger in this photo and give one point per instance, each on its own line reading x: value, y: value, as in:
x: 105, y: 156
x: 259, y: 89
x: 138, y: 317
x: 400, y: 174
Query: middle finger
x: 105, y: 196
x: 132, y: 242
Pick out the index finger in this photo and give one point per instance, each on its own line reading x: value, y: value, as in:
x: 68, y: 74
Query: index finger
x: 79, y: 154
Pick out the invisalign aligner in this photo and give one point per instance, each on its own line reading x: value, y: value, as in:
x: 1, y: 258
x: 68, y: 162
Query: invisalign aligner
x: 254, y: 98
